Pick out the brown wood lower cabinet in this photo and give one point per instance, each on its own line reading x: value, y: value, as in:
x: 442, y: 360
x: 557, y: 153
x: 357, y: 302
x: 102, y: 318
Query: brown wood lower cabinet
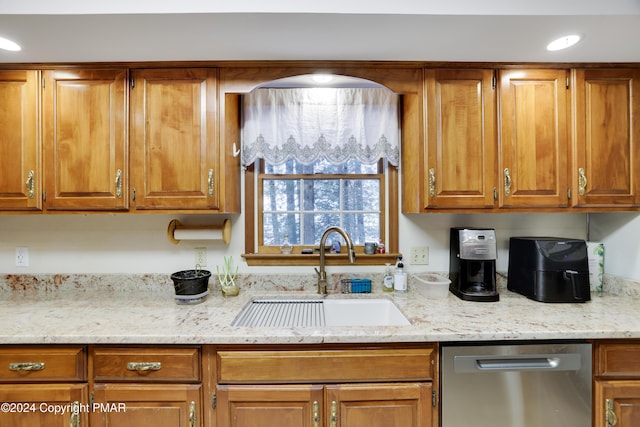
x: 40, y: 386
x: 146, y: 386
x: 326, y: 387
x: 379, y: 405
x: 156, y: 405
x: 371, y: 405
x: 617, y: 384
x: 298, y: 405
x: 617, y: 403
x: 50, y: 405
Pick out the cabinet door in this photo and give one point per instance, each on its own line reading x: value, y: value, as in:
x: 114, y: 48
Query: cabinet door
x: 607, y: 138
x: 157, y: 405
x: 617, y: 403
x: 270, y: 405
x: 174, y: 139
x: 20, y: 171
x: 534, y: 135
x: 379, y: 405
x: 29, y: 405
x: 85, y: 139
x: 461, y: 135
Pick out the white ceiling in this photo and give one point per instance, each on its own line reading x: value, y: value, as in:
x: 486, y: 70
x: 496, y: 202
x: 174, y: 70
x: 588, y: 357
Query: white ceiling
x: 405, y: 30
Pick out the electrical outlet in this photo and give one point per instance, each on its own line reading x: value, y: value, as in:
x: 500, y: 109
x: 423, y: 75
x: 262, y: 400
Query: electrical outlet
x: 22, y: 256
x: 420, y: 255
x: 201, y: 256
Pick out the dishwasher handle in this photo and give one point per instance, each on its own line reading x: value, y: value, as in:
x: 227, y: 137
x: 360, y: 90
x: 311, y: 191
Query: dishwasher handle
x: 524, y: 362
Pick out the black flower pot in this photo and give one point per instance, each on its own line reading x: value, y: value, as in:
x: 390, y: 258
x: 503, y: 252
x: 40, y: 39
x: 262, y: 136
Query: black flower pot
x: 191, y: 286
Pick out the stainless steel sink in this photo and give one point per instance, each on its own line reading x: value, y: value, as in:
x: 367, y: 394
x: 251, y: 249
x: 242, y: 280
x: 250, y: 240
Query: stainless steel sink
x: 320, y: 312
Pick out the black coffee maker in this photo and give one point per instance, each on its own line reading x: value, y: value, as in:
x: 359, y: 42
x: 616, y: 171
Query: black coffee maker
x: 472, y: 264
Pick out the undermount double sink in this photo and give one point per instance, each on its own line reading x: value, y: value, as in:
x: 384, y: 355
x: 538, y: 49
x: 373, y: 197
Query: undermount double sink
x: 314, y: 312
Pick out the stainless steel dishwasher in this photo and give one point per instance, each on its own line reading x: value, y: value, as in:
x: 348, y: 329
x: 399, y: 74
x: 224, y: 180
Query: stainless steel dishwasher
x: 519, y: 385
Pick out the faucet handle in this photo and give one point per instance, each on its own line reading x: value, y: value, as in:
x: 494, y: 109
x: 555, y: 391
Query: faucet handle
x: 352, y: 256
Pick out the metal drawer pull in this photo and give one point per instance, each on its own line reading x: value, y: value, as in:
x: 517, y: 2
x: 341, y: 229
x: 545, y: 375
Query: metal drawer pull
x: 210, y: 182
x: 192, y: 414
x: 610, y: 416
x: 582, y: 181
x: 334, y: 415
x: 118, y: 183
x: 316, y: 414
x: 432, y: 182
x: 30, y: 185
x: 26, y: 366
x: 507, y: 182
x: 144, y: 366
x: 74, y: 420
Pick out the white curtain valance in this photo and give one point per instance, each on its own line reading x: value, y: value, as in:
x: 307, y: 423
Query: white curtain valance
x: 336, y: 124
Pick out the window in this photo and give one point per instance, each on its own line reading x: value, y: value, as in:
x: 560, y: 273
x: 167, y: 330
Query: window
x: 300, y: 202
x: 319, y: 158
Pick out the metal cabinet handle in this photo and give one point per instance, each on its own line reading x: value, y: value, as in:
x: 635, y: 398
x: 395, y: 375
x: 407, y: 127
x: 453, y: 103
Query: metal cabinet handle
x: 144, y: 366
x: 582, y: 181
x: 210, y: 182
x: 432, y: 182
x: 316, y: 414
x: 26, y: 366
x: 30, y: 184
x: 610, y: 416
x: 74, y: 420
x: 192, y: 414
x: 119, y: 183
x: 507, y: 182
x: 333, y: 421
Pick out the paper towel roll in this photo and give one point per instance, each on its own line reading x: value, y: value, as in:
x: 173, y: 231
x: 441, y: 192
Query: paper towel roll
x: 197, y: 234
x: 176, y: 232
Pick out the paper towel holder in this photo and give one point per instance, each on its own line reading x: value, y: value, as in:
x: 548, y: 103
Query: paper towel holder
x: 177, y: 225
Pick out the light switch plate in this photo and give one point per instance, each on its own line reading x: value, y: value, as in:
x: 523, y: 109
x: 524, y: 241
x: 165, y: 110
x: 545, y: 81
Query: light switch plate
x: 420, y: 255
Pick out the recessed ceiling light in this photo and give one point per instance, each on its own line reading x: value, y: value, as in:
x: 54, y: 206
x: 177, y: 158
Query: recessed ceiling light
x: 322, y: 78
x: 563, y: 42
x: 7, y: 44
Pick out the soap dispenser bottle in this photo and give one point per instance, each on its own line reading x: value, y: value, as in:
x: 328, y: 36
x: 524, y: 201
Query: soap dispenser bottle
x: 387, y: 280
x: 400, y: 277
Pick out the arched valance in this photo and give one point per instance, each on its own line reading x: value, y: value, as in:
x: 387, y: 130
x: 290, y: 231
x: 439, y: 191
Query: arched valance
x: 336, y: 124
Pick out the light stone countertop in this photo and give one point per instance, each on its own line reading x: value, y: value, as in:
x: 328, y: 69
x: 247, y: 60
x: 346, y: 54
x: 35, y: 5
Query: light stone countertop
x: 62, y: 311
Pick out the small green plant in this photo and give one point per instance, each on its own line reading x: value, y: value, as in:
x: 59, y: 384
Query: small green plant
x: 226, y: 277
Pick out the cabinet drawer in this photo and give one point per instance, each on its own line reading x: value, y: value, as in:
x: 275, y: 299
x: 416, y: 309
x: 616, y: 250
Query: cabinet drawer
x: 325, y: 366
x: 619, y: 360
x: 36, y: 363
x: 146, y: 364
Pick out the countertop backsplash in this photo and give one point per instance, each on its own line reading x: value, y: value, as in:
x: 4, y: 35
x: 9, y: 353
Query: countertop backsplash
x: 161, y: 284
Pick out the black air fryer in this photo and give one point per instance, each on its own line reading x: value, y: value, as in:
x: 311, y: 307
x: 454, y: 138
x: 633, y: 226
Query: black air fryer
x: 549, y: 269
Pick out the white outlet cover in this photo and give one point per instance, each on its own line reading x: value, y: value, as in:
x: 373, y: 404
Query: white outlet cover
x: 22, y: 256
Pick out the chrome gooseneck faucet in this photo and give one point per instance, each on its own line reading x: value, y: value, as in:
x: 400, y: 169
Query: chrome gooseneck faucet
x: 322, y: 274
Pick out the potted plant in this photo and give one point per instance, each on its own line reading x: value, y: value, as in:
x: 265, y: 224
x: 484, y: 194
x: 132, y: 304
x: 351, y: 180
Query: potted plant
x: 227, y: 279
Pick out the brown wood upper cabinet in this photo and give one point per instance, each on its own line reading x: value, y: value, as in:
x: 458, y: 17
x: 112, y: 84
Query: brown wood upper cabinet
x: 461, y: 138
x: 85, y: 145
x: 174, y: 139
x: 534, y: 138
x: 20, y: 169
x: 607, y: 137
